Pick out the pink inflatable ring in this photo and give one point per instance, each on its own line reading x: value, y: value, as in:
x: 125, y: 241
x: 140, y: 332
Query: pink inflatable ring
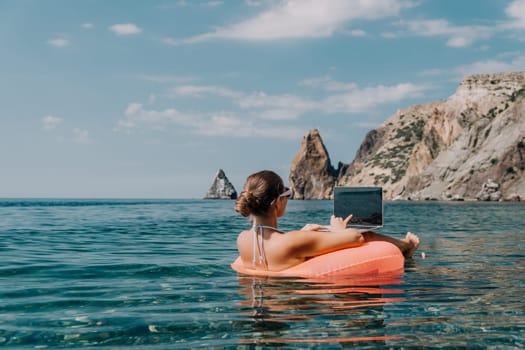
x: 370, y: 258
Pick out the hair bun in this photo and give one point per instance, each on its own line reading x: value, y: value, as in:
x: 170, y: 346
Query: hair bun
x: 259, y: 192
x: 252, y: 199
x: 246, y: 203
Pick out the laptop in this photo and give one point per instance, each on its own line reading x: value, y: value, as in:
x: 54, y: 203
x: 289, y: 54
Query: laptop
x: 364, y: 203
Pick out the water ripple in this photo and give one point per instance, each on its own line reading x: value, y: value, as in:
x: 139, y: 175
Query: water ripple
x: 156, y: 275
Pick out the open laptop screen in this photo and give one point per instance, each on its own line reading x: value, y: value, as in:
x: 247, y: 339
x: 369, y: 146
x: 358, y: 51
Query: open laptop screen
x: 364, y: 203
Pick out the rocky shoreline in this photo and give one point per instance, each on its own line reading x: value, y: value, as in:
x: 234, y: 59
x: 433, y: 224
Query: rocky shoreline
x: 469, y: 147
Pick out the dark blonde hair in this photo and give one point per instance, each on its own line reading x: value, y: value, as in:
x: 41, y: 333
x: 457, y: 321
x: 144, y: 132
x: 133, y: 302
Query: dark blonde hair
x: 259, y: 191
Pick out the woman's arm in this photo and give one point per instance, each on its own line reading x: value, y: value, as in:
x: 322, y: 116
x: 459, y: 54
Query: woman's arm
x: 313, y: 243
x: 308, y: 243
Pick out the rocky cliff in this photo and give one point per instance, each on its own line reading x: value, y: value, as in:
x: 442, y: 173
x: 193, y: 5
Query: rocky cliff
x: 221, y: 187
x: 469, y: 146
x: 312, y: 175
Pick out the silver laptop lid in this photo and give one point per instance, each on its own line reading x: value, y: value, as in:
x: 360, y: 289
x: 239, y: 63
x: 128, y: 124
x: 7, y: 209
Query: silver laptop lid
x: 364, y: 203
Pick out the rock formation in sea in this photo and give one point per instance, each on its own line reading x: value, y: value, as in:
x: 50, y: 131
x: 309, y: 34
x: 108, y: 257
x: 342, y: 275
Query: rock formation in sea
x: 221, y: 188
x: 446, y: 150
x: 312, y: 175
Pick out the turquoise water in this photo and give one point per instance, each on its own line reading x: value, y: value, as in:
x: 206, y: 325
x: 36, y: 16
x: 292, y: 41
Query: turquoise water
x: 120, y: 274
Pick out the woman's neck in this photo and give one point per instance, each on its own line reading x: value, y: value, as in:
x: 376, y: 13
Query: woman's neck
x: 265, y: 221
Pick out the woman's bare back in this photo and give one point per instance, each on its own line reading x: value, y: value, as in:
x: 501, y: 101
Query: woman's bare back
x: 275, y: 249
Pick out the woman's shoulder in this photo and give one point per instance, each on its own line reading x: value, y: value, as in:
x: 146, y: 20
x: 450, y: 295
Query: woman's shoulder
x: 244, y: 234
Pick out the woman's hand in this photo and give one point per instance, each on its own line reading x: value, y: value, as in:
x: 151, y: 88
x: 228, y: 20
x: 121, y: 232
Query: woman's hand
x: 337, y: 223
x: 313, y: 227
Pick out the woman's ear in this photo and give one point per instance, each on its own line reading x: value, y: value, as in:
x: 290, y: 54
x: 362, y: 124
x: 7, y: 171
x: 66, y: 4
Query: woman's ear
x: 280, y: 206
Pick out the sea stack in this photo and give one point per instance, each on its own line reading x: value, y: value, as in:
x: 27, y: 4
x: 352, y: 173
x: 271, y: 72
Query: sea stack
x: 221, y: 188
x: 312, y: 175
x: 443, y: 150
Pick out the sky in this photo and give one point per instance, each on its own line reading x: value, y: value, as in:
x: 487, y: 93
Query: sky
x: 148, y: 99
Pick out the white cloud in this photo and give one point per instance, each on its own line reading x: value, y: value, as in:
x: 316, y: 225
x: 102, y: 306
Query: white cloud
x: 483, y: 48
x: 170, y: 41
x: 357, y: 32
x: 263, y: 100
x: 258, y: 108
x: 462, y: 36
x: 212, y: 4
x: 278, y: 114
x: 516, y: 11
x: 504, y: 62
x: 258, y: 3
x: 328, y: 84
x: 342, y: 98
x: 81, y: 136
x: 221, y: 124
x: 277, y: 107
x: 294, y: 19
x: 87, y: 25
x: 389, y: 35
x: 262, y: 114
x: 363, y: 100
x: 350, y: 98
x: 459, y: 41
x: 214, y: 124
x: 517, y: 63
x: 314, y: 82
x: 59, y: 42
x: 487, y: 66
x: 125, y: 29
x: 152, y: 98
x: 254, y: 3
x: 229, y: 125
x: 274, y: 105
x: 50, y: 122
x: 199, y: 91
x: 346, y: 97
x: 136, y: 115
x: 458, y: 36
x: 283, y: 107
x: 193, y: 3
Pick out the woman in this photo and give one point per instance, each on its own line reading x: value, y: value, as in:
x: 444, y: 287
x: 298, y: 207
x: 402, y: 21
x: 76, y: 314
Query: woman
x: 265, y: 247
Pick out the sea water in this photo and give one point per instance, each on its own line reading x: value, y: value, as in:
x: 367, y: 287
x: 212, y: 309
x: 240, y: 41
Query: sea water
x: 155, y: 274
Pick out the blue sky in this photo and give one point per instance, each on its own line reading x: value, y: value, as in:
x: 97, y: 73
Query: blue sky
x: 148, y: 99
